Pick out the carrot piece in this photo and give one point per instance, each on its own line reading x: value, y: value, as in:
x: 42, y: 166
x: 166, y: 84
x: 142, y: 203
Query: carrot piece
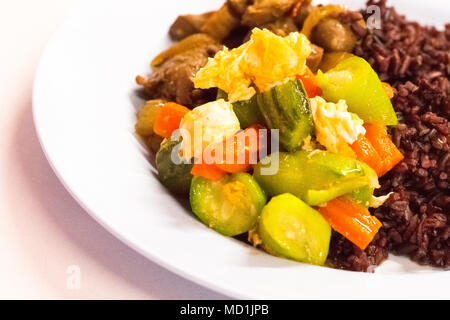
x: 168, y: 119
x: 208, y: 171
x: 388, y: 152
x: 240, y: 151
x: 366, y: 153
x: 351, y: 220
x: 388, y: 89
x: 309, y: 82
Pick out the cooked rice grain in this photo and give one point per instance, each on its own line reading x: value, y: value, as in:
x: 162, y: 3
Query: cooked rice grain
x: 415, y: 60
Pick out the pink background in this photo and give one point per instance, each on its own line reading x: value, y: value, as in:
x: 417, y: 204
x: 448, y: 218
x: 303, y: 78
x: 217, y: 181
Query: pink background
x: 43, y: 230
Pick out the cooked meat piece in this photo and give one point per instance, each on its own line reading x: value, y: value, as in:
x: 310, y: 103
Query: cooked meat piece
x: 332, y: 35
x: 303, y: 12
x: 221, y: 23
x: 198, y: 40
x: 238, y: 7
x: 281, y: 27
x: 315, y: 58
x: 187, y: 25
x: 265, y: 11
x: 172, y: 80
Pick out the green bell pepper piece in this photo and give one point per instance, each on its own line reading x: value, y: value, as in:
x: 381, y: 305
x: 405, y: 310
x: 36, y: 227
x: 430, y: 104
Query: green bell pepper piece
x: 355, y: 81
x: 315, y: 177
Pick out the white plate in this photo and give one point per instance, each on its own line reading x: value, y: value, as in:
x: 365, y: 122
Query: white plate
x: 84, y: 109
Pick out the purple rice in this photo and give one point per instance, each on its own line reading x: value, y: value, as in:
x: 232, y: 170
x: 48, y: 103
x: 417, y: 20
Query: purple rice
x: 415, y: 60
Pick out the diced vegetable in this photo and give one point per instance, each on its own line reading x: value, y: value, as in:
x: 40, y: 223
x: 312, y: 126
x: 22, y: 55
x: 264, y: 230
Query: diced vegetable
x: 168, y: 119
x: 246, y: 111
x: 290, y: 228
x: 147, y: 116
x: 315, y: 177
x: 366, y: 153
x: 286, y: 107
x: 175, y: 177
x: 331, y: 59
x: 240, y: 151
x: 355, y: 81
x: 208, y: 171
x: 362, y: 196
x: 231, y: 206
x: 351, y: 220
x: 309, y: 82
x: 378, y: 137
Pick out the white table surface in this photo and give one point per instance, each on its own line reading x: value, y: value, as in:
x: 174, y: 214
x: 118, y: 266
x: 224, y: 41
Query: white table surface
x: 43, y: 231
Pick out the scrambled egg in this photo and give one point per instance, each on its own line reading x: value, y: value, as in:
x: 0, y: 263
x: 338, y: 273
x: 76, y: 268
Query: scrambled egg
x: 205, y: 125
x: 265, y: 61
x: 336, y: 128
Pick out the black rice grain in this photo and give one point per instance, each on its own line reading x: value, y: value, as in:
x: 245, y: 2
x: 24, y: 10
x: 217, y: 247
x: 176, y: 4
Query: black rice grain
x: 415, y: 60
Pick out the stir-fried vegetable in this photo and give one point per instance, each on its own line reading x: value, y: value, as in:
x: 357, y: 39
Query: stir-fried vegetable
x: 355, y: 81
x: 366, y: 153
x: 175, y: 176
x: 240, y: 151
x: 231, y: 206
x: 309, y: 82
x: 388, y: 152
x: 147, y: 116
x: 331, y: 59
x: 246, y: 111
x: 168, y: 119
x: 286, y: 107
x: 290, y: 228
x: 208, y: 171
x: 315, y: 177
x: 362, y: 196
x: 351, y: 220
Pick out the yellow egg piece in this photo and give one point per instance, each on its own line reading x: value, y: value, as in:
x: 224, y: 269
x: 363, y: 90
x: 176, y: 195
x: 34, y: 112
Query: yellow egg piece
x: 336, y: 128
x: 206, y: 125
x: 265, y: 61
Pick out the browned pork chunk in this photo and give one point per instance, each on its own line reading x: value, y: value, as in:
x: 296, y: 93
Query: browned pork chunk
x: 187, y: 25
x: 265, y: 11
x: 172, y: 80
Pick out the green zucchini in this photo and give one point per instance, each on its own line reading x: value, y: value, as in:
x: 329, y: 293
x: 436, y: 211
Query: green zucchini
x: 247, y: 112
x: 286, y: 107
x: 290, y: 228
x: 230, y: 206
x: 315, y: 177
x: 175, y: 177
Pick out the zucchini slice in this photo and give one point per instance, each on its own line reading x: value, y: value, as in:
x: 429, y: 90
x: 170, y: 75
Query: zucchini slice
x: 286, y: 107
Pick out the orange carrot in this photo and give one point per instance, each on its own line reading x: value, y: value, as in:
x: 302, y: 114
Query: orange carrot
x: 309, y: 82
x: 388, y: 152
x: 240, y: 150
x: 208, y: 171
x: 366, y: 153
x: 168, y: 119
x: 351, y: 220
